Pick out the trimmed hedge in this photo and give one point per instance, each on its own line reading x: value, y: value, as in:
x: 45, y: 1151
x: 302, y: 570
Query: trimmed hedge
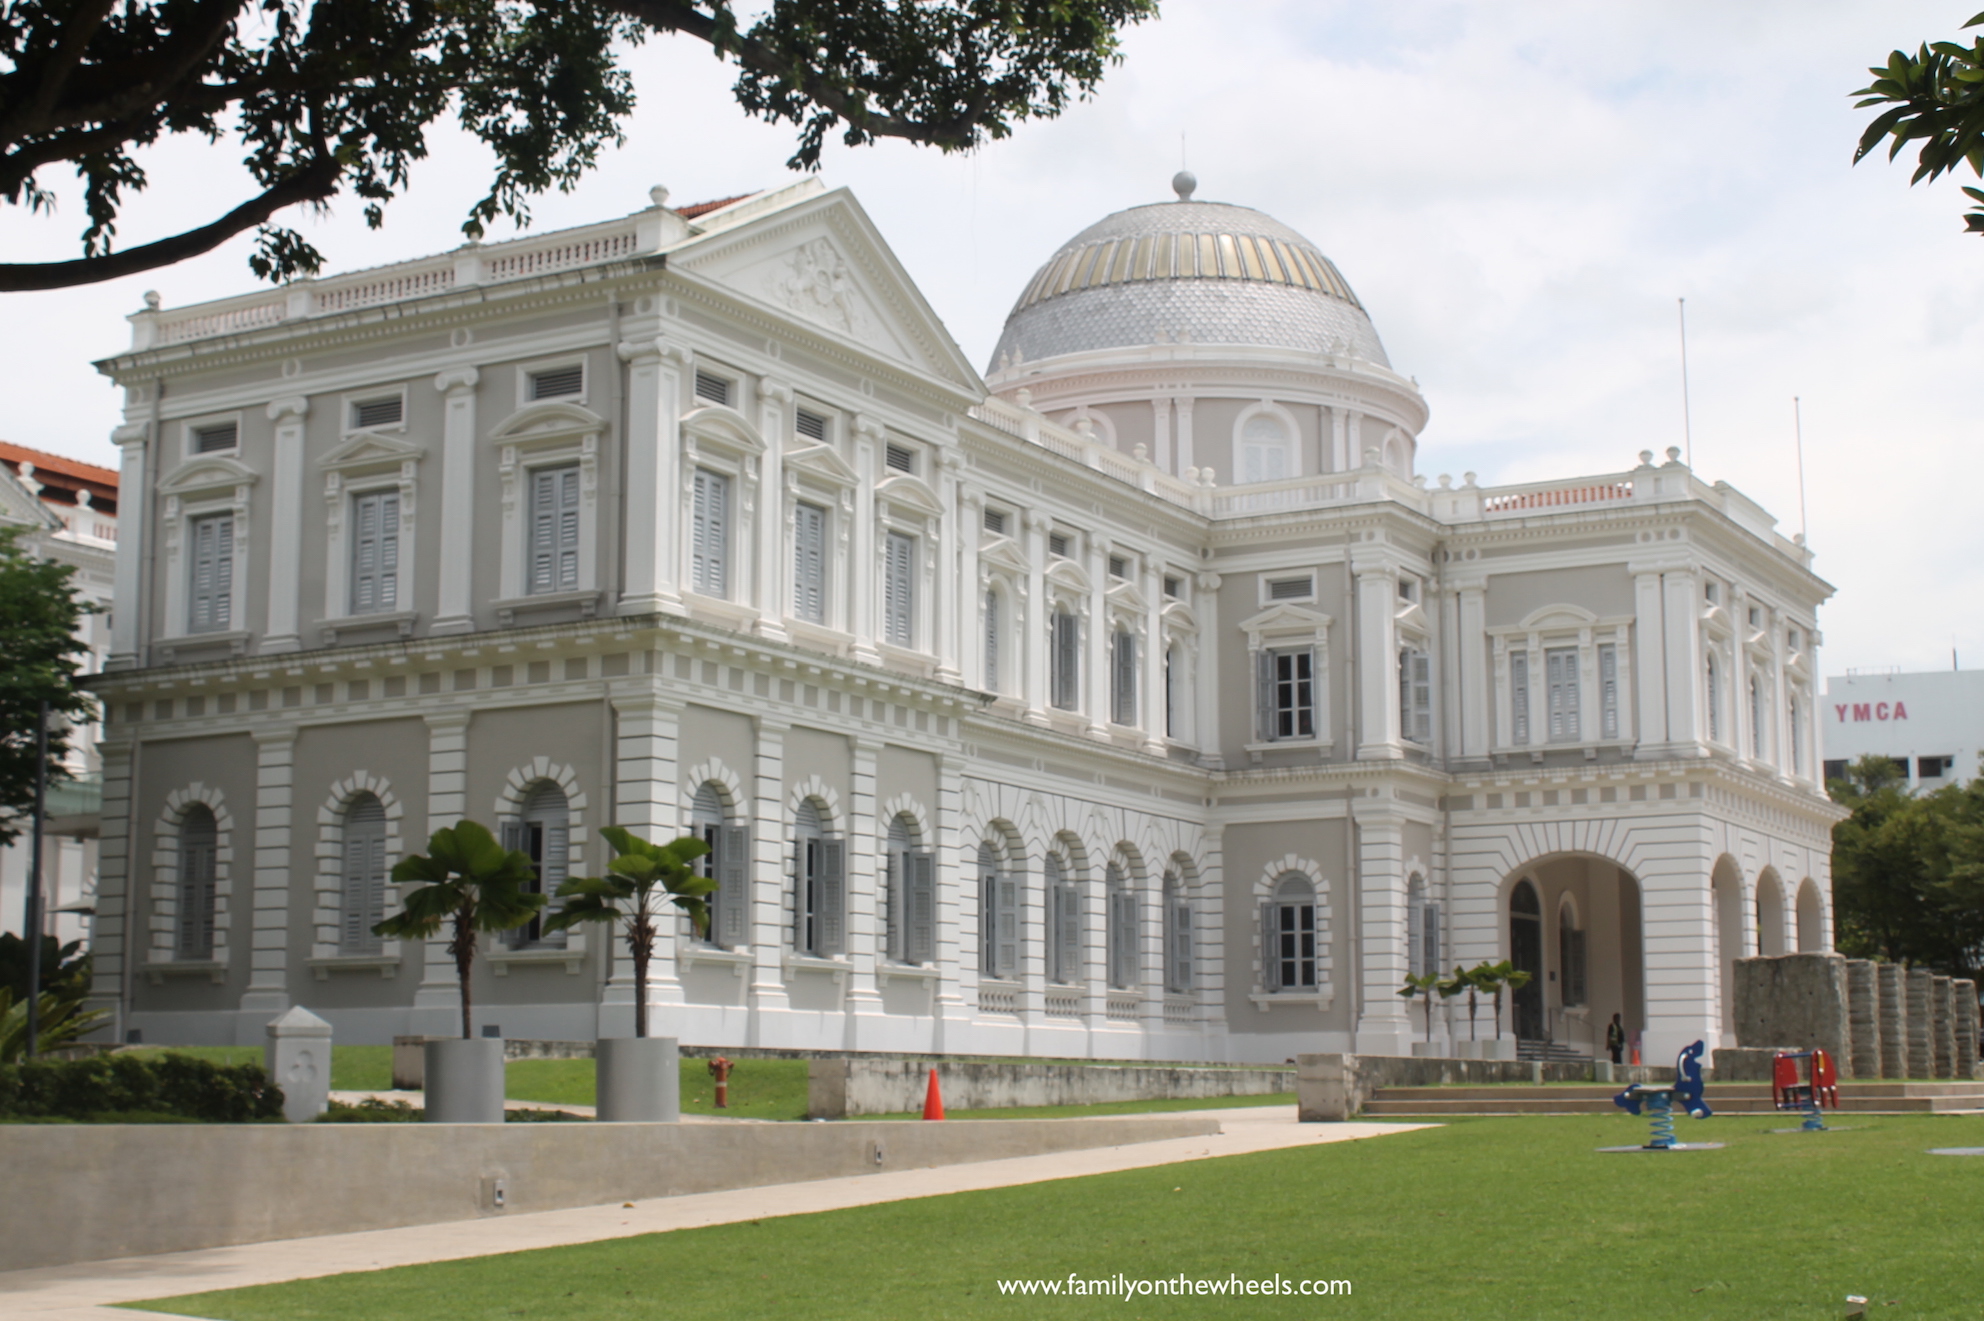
x: 180, y: 1085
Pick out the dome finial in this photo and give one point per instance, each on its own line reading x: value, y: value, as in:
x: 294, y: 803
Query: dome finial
x: 1183, y: 183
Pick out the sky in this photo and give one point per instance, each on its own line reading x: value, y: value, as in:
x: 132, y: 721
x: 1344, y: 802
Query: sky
x: 1519, y: 192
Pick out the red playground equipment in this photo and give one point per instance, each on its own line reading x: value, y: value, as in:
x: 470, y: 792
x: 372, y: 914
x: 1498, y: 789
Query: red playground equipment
x: 1819, y: 1088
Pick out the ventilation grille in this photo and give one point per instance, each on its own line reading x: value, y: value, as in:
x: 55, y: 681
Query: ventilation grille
x: 811, y: 425
x: 377, y: 412
x: 1057, y: 544
x: 995, y: 521
x: 558, y: 381
x: 225, y: 436
x: 901, y: 458
x: 1290, y: 589
x: 713, y: 388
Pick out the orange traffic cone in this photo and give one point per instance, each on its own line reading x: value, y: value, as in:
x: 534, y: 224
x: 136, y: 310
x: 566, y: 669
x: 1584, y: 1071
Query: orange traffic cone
x: 933, y: 1098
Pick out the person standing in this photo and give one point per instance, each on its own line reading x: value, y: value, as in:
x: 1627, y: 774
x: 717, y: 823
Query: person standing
x: 1615, y: 1039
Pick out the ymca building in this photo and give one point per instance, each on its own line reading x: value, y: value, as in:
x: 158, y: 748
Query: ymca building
x: 1134, y: 696
x: 1930, y: 725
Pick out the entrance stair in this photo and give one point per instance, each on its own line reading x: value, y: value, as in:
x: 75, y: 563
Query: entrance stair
x: 1735, y: 1098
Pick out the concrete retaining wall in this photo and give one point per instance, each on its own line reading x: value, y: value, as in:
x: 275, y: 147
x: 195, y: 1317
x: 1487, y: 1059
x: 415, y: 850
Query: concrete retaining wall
x: 120, y: 1190
x: 1335, y: 1087
x: 840, y: 1088
x: 1877, y: 1020
x: 1795, y: 997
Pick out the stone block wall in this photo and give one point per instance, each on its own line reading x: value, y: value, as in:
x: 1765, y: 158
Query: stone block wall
x: 1921, y: 1031
x: 1942, y: 1008
x: 1863, y: 1017
x: 1964, y: 993
x: 1877, y: 1020
x: 1894, y: 1020
x: 1797, y: 998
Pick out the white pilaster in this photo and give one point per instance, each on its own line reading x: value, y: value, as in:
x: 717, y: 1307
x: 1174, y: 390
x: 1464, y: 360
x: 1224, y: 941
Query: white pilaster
x: 1098, y: 636
x: 646, y: 728
x: 771, y: 877
x: 455, y: 602
x: 951, y: 592
x: 865, y: 569
x: 268, y: 961
x: 774, y: 555
x: 1649, y: 657
x: 132, y: 591
x: 437, y: 1004
x: 1186, y: 450
x: 1470, y: 646
x: 654, y: 370
x: 863, y: 1026
x: 1030, y: 626
x: 1681, y: 617
x: 286, y: 526
x: 1377, y: 665
x: 1204, y: 689
x: 1383, y: 1025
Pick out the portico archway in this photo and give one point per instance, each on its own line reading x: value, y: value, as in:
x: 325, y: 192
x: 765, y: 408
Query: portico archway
x: 1770, y: 913
x: 1573, y: 921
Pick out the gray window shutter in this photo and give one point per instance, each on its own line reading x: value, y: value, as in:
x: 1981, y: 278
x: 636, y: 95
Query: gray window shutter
x: 1429, y: 928
x: 1608, y: 691
x: 1519, y: 697
x: 830, y: 919
x: 922, y: 907
x: 1415, y: 920
x: 212, y: 573
x: 991, y: 640
x: 1181, y: 952
x: 1009, y: 924
x: 893, y: 883
x: 543, y: 530
x: 1264, y: 696
x: 375, y: 544
x: 1070, y: 934
x: 801, y: 884
x: 809, y: 567
x: 1270, y: 946
x: 1067, y: 661
x: 198, y: 840
x: 733, y: 879
x: 709, y: 540
x: 364, y: 875
x: 1124, y: 937
x: 899, y: 590
x: 1125, y: 687
x: 1420, y: 680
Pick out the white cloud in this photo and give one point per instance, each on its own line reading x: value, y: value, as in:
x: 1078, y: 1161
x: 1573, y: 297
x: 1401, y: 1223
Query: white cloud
x: 1518, y: 191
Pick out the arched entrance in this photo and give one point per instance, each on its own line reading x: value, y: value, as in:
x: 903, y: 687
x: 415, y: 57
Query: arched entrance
x: 1726, y: 892
x: 1770, y: 913
x: 1574, y: 924
x: 1811, y: 918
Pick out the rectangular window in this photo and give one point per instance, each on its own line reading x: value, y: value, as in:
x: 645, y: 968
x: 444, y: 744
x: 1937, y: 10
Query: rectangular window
x: 1288, y: 946
x: 1933, y: 768
x: 1118, y: 567
x: 1560, y: 668
x: 1519, y: 697
x: 995, y: 522
x: 220, y: 436
x: 712, y: 389
x: 1415, y: 696
x: 899, y: 590
x: 1065, y: 664
x: 899, y: 457
x: 1286, y: 694
x: 558, y: 382
x: 1174, y: 587
x: 554, y: 530
x: 809, y: 563
x: 1835, y: 770
x: 375, y: 552
x: 1608, y: 690
x: 1058, y: 544
x: 1123, y: 678
x: 1797, y: 738
x: 709, y: 534
x: 813, y: 426
x: 210, y: 608
x: 377, y: 413
x: 1291, y: 589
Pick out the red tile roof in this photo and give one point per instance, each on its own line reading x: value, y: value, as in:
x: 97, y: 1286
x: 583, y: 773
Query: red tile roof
x: 61, y: 477
x: 695, y: 209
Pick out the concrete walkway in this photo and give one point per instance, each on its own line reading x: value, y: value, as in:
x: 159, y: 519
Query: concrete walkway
x: 86, y: 1291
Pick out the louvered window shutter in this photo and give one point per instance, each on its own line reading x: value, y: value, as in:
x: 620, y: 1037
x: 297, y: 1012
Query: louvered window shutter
x: 1429, y: 928
x: 1420, y: 676
x: 1519, y: 697
x: 991, y: 641
x: 364, y: 874
x: 1181, y: 944
x: 899, y: 590
x: 1126, y: 679
x: 734, y: 887
x: 922, y: 907
x: 1270, y: 947
x: 197, y: 853
x: 543, y: 530
x: 830, y: 918
x: 212, y: 574
x: 1415, y: 919
x: 803, y: 853
x: 1608, y: 691
x: 1264, y: 695
x: 1067, y: 661
x: 893, y: 882
x: 1009, y: 925
x: 375, y: 552
x: 809, y: 567
x: 1069, y: 942
x: 1126, y: 938
x: 567, y: 552
x: 709, y: 537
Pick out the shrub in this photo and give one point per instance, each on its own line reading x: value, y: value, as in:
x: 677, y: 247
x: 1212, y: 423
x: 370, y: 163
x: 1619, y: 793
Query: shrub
x: 181, y: 1085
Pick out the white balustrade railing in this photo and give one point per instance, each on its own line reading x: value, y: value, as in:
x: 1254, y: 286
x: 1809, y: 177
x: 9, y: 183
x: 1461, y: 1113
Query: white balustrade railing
x: 1556, y: 495
x: 998, y: 998
x: 1064, y: 1004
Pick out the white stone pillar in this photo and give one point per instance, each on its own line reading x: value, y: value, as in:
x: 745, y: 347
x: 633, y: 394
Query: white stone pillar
x: 1471, y: 648
x: 1100, y: 634
x: 1204, y: 669
x: 970, y: 607
x: 1681, y: 617
x: 771, y: 858
x: 268, y: 961
x: 1383, y: 1024
x: 132, y: 592
x: 1161, y: 435
x: 1151, y: 699
x: 1377, y: 665
x: 1031, y: 625
x: 1649, y: 660
x: 1340, y: 460
x: 115, y: 941
x: 283, y: 631
x: 957, y: 885
x: 865, y: 568
x: 947, y: 588
x: 437, y: 1003
x: 863, y: 1025
x: 774, y: 555
x: 654, y: 369
x: 455, y: 603
x: 645, y: 802
x: 1186, y: 451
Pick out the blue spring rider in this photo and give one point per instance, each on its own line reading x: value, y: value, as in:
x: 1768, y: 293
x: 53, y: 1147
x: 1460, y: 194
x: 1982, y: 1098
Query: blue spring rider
x: 1686, y: 1090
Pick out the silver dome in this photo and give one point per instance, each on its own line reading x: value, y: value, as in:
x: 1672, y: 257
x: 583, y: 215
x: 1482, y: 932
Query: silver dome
x: 1203, y: 272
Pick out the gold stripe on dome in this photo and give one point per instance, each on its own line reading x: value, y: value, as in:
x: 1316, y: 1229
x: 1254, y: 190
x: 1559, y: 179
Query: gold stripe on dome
x: 1187, y: 256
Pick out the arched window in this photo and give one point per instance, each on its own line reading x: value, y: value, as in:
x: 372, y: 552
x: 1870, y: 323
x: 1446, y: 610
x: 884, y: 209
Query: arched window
x: 1526, y: 952
x: 1064, y: 922
x: 819, y: 885
x: 1797, y: 738
x: 544, y: 832
x: 198, y: 855
x: 999, y: 917
x: 909, y: 895
x: 1177, y: 936
x: 1570, y: 955
x: 1714, y: 700
x: 1422, y: 928
x: 992, y: 636
x: 1288, y: 935
x: 364, y: 885
x: 1757, y: 746
x: 1125, y: 967
x: 728, y: 863
x: 1264, y: 449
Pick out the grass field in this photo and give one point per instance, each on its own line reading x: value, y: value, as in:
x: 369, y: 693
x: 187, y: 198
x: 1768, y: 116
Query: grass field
x: 1479, y: 1219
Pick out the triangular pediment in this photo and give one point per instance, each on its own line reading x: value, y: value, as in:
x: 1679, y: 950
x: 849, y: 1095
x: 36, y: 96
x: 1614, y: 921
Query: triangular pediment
x: 206, y: 474
x: 367, y: 449
x: 821, y: 262
x: 909, y: 492
x: 1004, y: 553
x: 1286, y: 619
x: 823, y: 463
x: 547, y: 421
x: 1124, y: 595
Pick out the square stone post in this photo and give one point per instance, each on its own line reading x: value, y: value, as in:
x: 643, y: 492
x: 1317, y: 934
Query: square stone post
x: 1894, y: 1019
x: 1942, y: 1019
x: 1963, y: 993
x: 268, y: 977
x: 1863, y: 1009
x: 1921, y: 1027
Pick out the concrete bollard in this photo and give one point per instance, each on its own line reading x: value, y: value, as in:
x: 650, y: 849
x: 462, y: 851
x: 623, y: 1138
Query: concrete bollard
x: 298, y: 1059
x: 1326, y: 1088
x: 465, y: 1080
x: 1894, y: 1020
x: 639, y: 1080
x: 1863, y: 1009
x: 1942, y: 1010
x: 1921, y: 1028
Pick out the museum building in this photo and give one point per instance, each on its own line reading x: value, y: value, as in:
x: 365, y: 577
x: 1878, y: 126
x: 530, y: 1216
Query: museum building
x: 1137, y: 699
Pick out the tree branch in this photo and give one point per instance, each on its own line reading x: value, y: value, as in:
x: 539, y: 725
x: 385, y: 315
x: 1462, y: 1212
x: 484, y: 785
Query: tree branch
x: 315, y: 183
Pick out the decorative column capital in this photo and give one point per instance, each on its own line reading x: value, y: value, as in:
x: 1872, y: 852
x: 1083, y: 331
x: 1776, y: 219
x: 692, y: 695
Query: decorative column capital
x: 295, y: 406
x: 457, y: 379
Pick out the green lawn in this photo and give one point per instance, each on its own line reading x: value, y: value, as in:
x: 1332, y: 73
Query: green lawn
x: 1479, y: 1219
x: 353, y: 1068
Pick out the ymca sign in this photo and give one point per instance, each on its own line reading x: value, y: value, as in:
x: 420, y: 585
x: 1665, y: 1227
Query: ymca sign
x: 1864, y: 711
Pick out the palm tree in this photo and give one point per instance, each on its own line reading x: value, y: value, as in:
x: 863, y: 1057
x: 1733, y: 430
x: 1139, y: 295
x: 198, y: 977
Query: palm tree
x: 1463, y: 980
x: 473, y: 882
x: 1498, y: 977
x: 1423, y: 986
x: 631, y: 879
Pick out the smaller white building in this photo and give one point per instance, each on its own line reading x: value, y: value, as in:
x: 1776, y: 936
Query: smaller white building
x: 1931, y: 725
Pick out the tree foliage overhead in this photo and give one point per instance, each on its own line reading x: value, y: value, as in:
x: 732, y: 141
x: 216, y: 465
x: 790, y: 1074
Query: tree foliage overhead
x: 1935, y: 97
x: 1908, y: 870
x: 328, y: 96
x: 40, y: 657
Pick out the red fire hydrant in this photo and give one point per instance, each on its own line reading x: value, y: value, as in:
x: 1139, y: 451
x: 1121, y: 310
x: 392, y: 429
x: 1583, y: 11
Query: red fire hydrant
x: 720, y: 1070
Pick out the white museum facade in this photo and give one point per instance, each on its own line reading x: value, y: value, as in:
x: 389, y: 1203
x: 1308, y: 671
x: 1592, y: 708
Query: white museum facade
x: 1136, y: 699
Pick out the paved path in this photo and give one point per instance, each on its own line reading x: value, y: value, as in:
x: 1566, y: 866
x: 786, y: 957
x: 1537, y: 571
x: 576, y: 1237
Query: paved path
x: 84, y: 1292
